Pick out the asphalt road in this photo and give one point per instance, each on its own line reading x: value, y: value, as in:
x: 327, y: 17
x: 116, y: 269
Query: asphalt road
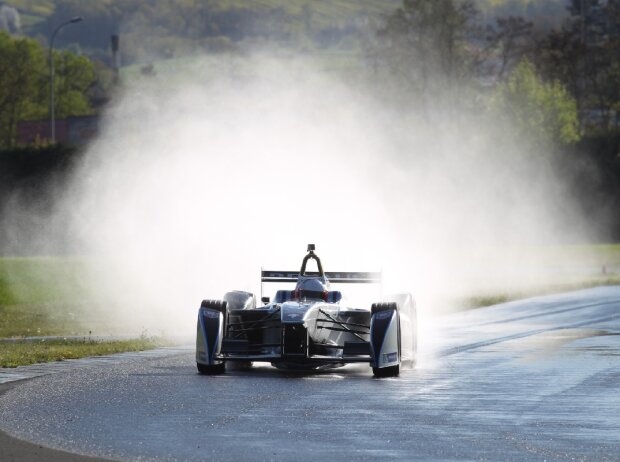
x: 530, y: 380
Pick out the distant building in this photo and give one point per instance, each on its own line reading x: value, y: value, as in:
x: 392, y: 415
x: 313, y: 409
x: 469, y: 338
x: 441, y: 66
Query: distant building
x: 72, y: 131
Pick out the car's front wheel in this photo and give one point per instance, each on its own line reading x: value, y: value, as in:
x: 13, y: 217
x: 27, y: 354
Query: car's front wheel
x: 390, y: 371
x: 211, y: 370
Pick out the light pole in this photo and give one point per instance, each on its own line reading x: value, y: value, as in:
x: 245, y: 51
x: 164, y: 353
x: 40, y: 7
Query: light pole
x: 51, y: 58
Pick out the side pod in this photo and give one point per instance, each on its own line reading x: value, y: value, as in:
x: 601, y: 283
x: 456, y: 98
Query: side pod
x: 209, y: 335
x: 385, y: 345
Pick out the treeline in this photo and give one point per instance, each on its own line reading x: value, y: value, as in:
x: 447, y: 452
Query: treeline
x: 553, y: 92
x: 555, y: 89
x: 442, y: 48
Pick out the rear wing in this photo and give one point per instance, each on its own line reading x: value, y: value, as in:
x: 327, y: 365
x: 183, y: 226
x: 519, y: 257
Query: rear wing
x: 346, y: 277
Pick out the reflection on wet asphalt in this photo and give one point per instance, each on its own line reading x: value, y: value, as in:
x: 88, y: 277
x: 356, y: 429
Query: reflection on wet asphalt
x: 530, y: 380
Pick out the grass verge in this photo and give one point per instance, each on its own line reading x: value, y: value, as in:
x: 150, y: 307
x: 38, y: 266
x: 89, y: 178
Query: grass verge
x: 480, y: 301
x: 25, y: 353
x: 43, y: 319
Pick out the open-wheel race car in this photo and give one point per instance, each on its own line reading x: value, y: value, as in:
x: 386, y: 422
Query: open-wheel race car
x: 308, y: 327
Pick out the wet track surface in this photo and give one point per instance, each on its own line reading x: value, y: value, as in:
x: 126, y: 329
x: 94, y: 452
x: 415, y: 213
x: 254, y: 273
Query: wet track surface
x: 531, y: 380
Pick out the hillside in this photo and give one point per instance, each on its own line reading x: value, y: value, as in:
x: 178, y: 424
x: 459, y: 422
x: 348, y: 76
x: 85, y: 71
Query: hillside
x: 152, y: 29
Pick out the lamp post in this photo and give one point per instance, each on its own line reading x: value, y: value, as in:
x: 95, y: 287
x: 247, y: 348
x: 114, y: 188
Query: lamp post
x: 51, y: 58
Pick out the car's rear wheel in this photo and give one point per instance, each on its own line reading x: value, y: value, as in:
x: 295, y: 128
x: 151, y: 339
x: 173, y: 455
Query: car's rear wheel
x: 211, y: 370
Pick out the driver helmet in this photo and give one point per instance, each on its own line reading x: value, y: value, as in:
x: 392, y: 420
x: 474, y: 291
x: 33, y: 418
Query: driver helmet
x: 310, y: 289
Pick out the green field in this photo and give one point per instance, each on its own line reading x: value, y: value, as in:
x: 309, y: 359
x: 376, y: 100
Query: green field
x: 51, y: 295
x: 44, y: 296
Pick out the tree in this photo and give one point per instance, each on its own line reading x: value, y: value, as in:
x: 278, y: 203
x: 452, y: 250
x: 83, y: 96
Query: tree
x: 74, y: 76
x: 21, y: 61
x: 511, y: 39
x: 585, y: 55
x: 432, y: 49
x: 539, y: 111
x: 24, y: 84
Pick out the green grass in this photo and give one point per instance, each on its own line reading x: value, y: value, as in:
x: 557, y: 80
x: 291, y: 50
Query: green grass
x: 25, y: 353
x: 45, y: 296
x: 50, y: 296
x: 42, y: 296
x: 42, y: 280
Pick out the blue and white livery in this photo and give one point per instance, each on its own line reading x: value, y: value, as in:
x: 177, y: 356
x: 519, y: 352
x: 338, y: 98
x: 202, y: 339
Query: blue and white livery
x: 307, y: 327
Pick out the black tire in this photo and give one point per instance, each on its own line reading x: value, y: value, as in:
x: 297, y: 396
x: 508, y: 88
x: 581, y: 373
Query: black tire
x: 217, y: 305
x: 378, y: 307
x: 390, y: 371
x: 211, y: 370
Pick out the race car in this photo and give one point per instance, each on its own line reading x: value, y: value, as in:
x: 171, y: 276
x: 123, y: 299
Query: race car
x: 307, y: 327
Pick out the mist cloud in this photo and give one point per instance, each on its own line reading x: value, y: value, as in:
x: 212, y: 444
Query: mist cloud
x: 203, y: 175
